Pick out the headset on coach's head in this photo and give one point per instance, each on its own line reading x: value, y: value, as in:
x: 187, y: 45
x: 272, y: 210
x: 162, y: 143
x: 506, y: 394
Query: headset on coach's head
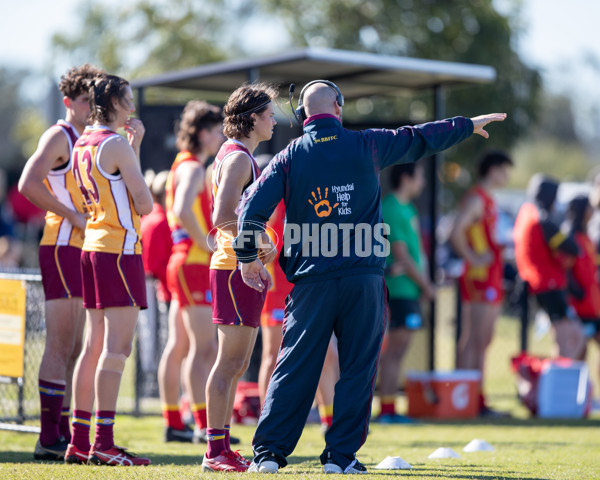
x: 299, y: 113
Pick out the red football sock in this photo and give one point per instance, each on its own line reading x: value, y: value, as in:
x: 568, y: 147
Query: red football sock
x: 326, y: 414
x: 199, y: 411
x: 172, y: 417
x: 388, y: 405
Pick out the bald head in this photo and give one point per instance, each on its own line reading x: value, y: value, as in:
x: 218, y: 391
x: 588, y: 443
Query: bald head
x: 320, y: 98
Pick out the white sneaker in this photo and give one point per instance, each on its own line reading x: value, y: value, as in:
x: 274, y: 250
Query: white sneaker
x: 266, y: 466
x: 353, y: 468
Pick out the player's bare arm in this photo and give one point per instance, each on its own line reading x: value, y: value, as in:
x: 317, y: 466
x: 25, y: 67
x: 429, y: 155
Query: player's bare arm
x: 235, y: 174
x: 189, y: 181
x: 411, y: 270
x: 471, y: 212
x: 118, y: 155
x: 52, y: 152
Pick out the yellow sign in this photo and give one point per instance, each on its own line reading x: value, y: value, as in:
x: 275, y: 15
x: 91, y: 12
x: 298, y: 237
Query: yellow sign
x: 12, y: 327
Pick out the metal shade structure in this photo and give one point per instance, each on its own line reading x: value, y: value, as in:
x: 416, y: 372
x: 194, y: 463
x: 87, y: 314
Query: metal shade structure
x: 357, y: 74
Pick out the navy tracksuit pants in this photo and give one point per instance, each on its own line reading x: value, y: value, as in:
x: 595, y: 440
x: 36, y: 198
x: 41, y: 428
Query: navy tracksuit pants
x: 354, y: 308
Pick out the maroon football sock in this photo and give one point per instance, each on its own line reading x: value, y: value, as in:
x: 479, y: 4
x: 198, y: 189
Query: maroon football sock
x: 51, y: 400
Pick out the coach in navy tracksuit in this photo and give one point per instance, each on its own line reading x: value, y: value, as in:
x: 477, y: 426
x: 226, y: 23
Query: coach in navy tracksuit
x: 334, y: 252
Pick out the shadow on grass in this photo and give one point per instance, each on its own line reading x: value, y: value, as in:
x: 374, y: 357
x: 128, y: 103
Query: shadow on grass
x: 19, y: 457
x: 459, y: 445
x: 418, y: 471
x: 504, y: 422
x: 298, y: 465
x: 478, y: 473
x: 166, y: 459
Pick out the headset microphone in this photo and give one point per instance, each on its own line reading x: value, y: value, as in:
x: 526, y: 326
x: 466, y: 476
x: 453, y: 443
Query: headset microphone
x: 300, y: 113
x: 292, y: 89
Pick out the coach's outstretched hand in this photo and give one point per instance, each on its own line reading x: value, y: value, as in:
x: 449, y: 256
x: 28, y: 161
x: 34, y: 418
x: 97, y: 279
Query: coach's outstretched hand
x: 255, y: 275
x: 482, y: 120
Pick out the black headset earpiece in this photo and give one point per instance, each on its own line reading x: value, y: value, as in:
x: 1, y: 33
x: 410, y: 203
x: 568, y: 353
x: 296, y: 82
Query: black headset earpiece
x: 299, y: 113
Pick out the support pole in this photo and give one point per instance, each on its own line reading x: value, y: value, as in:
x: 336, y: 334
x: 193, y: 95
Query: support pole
x: 434, y: 161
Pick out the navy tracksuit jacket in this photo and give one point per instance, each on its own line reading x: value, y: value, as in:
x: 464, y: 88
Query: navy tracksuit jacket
x: 334, y: 251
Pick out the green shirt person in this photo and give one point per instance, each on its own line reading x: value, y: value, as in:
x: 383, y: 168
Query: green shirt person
x: 406, y: 279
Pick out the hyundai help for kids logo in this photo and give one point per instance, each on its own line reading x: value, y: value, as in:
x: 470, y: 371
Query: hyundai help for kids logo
x: 322, y: 204
x: 328, y: 239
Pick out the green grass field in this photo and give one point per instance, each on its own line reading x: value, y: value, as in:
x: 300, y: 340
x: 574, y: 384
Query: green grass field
x: 526, y: 448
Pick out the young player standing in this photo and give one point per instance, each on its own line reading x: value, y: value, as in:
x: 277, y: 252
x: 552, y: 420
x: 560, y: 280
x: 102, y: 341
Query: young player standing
x: 112, y: 188
x: 249, y: 120
x: 481, y: 290
x: 192, y: 335
x: 47, y: 181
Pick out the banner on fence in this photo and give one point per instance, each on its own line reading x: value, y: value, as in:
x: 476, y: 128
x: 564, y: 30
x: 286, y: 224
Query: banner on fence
x: 12, y: 327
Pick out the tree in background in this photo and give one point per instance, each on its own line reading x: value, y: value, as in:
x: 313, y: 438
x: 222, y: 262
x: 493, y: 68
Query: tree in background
x: 10, y: 108
x: 459, y: 31
x: 552, y: 146
x: 149, y: 37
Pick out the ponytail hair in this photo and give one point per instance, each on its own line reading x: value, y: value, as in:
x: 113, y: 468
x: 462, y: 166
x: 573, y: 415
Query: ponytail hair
x: 103, y: 89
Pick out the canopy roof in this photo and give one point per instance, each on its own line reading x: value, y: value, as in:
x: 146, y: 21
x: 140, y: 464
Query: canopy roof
x: 358, y: 74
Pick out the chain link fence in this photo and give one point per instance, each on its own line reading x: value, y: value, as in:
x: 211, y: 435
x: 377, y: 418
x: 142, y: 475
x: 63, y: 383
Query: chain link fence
x: 19, y: 397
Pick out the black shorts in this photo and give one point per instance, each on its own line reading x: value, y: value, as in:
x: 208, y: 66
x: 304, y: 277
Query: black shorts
x: 405, y: 313
x: 554, y: 303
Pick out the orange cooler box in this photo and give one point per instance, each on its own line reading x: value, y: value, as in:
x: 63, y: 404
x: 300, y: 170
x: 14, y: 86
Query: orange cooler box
x: 453, y: 394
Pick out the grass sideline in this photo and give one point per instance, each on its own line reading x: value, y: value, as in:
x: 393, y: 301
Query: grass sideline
x: 525, y: 449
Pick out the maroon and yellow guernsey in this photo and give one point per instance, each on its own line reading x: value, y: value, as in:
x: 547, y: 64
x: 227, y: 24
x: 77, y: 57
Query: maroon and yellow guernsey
x: 113, y: 225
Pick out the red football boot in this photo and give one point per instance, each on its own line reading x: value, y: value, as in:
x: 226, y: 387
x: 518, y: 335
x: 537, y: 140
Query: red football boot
x: 116, y: 456
x: 74, y: 455
x: 227, y: 461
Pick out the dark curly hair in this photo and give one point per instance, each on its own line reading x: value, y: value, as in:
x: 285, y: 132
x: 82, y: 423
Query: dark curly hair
x: 103, y: 89
x: 196, y: 116
x: 242, y: 103
x: 74, y: 82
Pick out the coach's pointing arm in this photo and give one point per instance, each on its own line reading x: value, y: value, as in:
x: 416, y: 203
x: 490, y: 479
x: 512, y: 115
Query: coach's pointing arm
x: 409, y: 144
